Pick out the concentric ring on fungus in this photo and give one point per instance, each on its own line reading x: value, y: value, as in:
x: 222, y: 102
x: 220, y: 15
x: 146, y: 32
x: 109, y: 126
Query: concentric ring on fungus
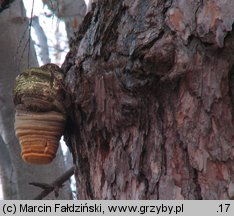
x: 40, y: 116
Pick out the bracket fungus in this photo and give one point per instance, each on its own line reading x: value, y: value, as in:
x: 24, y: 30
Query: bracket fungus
x: 40, y: 115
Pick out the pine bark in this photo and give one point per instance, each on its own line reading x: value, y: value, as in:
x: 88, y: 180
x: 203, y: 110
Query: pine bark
x: 150, y: 94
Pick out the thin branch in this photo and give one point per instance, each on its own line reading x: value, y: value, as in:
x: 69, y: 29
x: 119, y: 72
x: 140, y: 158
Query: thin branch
x: 54, y: 186
x: 43, y: 186
x: 44, y: 51
x: 30, y: 27
x: 18, y: 48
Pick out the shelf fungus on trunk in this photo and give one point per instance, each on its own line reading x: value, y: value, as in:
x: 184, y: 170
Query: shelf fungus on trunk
x: 40, y: 115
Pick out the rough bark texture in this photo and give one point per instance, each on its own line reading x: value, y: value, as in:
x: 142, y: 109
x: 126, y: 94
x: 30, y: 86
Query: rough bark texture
x: 4, y: 4
x: 150, y: 91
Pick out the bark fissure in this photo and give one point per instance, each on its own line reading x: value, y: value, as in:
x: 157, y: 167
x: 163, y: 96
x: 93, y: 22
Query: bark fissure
x: 197, y: 189
x: 154, y: 89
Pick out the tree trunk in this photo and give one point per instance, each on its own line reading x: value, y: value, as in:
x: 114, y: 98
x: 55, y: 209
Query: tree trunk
x: 150, y: 94
x: 70, y: 11
x: 14, y: 59
x: 7, y: 175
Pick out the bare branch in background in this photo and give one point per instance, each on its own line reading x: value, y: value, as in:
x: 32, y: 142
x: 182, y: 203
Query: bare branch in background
x: 54, y: 186
x: 71, y: 11
x: 14, y: 38
x: 42, y: 39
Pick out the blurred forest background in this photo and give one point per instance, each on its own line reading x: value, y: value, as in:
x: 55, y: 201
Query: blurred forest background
x: 51, y: 24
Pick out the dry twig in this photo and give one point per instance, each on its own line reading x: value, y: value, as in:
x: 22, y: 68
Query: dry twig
x: 54, y: 186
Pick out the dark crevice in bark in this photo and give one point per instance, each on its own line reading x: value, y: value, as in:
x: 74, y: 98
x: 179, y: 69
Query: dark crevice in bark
x: 141, y: 175
x: 163, y: 147
x: 109, y: 34
x: 143, y: 179
x: 197, y: 189
x: 140, y: 51
x: 231, y: 86
x: 167, y: 5
x: 103, y: 179
x: 104, y: 138
x: 157, y: 190
x: 164, y: 158
x: 113, y: 185
x: 84, y: 170
x: 69, y: 134
x: 193, y: 174
x: 4, y: 4
x: 199, y: 6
